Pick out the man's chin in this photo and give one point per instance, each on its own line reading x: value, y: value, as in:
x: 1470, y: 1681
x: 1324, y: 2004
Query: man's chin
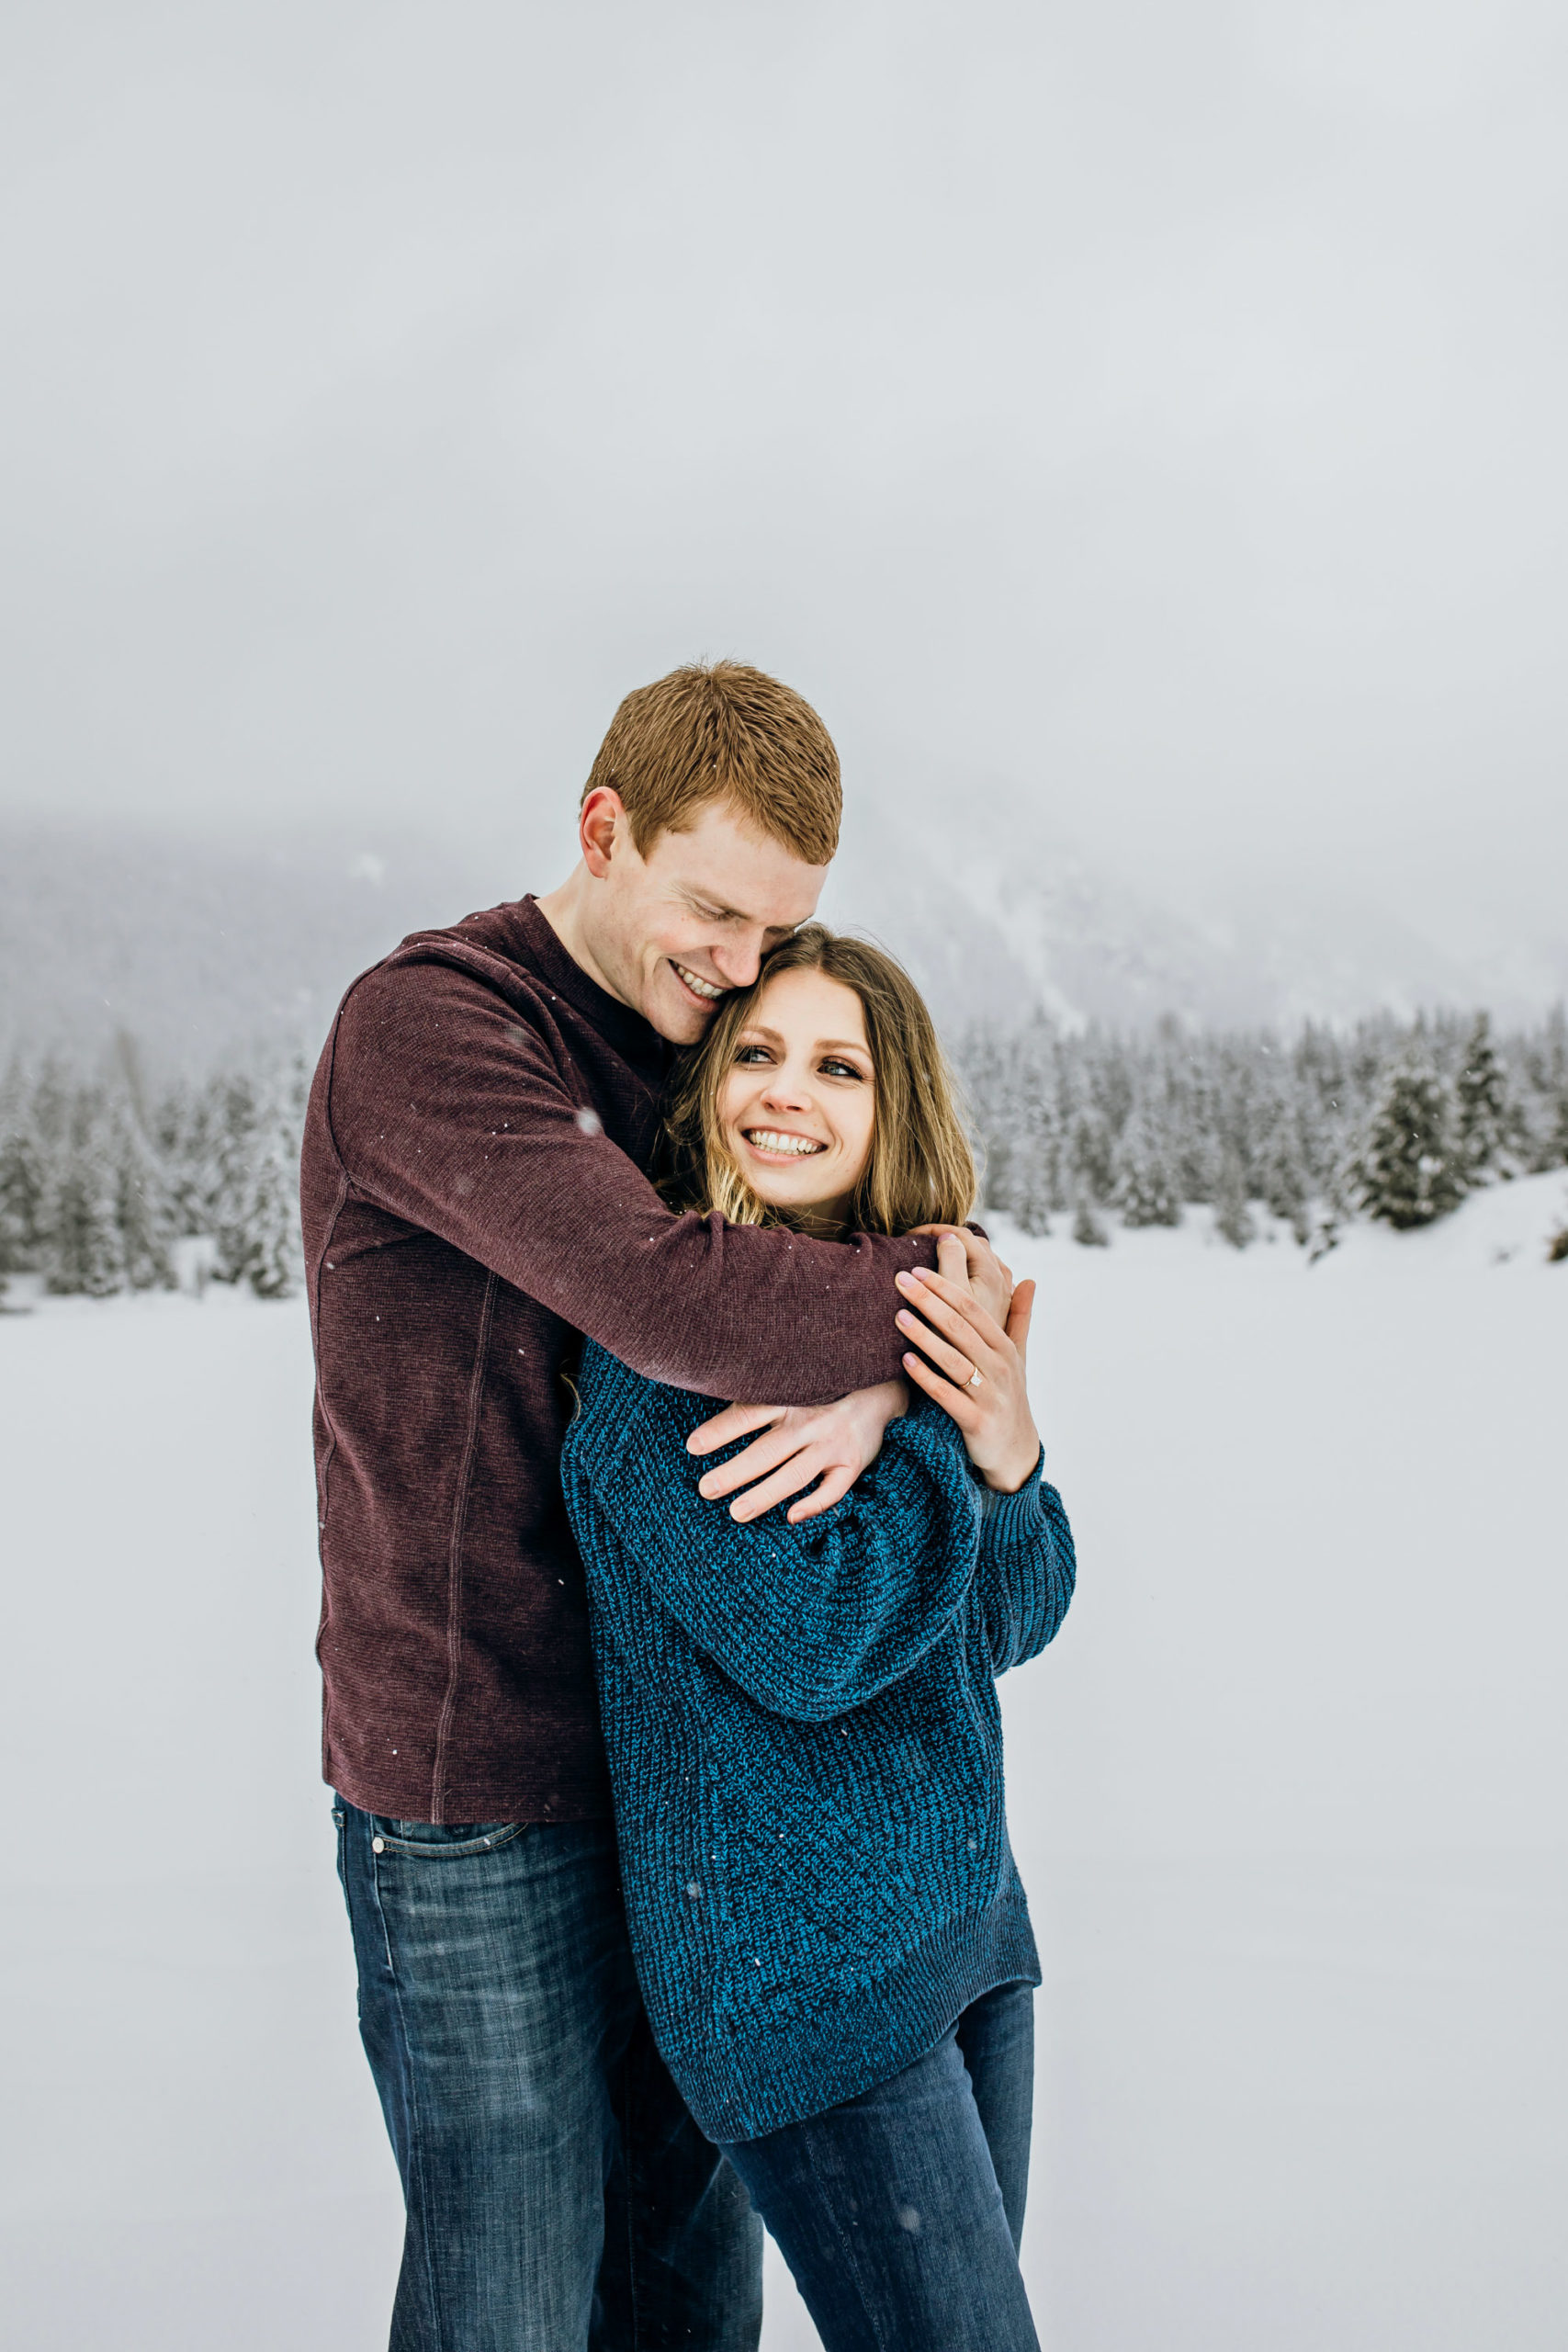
x: 671, y: 1009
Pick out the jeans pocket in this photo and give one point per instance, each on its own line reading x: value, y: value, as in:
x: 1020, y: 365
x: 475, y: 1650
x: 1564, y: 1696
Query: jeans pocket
x: 441, y: 1842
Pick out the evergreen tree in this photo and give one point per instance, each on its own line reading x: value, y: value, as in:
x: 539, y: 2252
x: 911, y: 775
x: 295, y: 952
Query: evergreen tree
x: 1087, y: 1225
x: 1285, y: 1185
x: 85, y: 1253
x: 1142, y: 1173
x: 1408, y: 1173
x: 232, y: 1119
x: 22, y: 1179
x: 1482, y: 1115
x: 184, y: 1134
x: 1031, y: 1194
x: 273, y: 1263
x: 1548, y: 1063
x: 1090, y: 1157
x: 1037, y: 1175
x: 1233, y: 1217
x: 141, y: 1209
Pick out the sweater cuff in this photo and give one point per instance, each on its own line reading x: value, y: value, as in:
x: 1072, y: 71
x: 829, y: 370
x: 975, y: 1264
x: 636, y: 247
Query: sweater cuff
x: 1006, y: 1518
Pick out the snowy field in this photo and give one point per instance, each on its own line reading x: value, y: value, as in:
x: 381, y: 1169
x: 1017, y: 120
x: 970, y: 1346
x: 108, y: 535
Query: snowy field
x: 1287, y: 1794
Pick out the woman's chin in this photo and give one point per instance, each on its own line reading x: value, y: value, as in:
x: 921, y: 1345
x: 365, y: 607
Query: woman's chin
x: 781, y: 1196
x: 777, y: 1191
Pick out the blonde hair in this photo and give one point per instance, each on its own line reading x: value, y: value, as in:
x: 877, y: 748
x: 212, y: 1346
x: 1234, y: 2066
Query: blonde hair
x: 919, y: 1170
x: 723, y: 731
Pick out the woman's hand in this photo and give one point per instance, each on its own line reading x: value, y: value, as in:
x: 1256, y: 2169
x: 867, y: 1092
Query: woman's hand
x: 962, y: 1338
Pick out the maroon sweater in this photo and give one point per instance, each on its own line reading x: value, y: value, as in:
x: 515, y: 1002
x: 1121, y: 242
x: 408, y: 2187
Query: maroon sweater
x: 474, y: 1199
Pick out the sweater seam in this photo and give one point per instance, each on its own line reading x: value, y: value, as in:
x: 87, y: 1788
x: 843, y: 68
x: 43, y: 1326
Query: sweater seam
x: 454, y: 1556
x: 323, y: 1484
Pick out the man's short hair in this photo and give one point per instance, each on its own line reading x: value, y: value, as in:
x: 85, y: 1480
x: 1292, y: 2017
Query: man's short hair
x: 723, y: 731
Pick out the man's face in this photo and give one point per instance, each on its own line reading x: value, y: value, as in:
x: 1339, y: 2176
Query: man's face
x: 673, y: 931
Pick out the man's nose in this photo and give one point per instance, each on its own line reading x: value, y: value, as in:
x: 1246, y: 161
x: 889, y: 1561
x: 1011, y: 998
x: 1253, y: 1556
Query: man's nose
x: 739, y: 960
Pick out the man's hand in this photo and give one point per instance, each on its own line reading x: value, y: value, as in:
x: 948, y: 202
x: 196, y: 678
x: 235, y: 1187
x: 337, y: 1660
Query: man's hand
x: 799, y: 1444
x: 988, y: 1279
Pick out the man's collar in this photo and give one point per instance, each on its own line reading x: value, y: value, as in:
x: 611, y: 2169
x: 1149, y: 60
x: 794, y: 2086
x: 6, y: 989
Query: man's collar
x: 634, y: 1038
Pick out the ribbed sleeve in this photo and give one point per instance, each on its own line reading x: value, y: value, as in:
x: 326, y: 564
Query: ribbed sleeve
x: 1026, y: 1572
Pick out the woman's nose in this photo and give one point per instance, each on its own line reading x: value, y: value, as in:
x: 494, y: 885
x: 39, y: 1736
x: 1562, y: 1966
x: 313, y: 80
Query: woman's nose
x: 787, y: 1089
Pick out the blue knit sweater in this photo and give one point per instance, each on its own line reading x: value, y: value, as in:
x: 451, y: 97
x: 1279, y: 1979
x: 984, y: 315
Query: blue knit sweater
x: 806, y: 1748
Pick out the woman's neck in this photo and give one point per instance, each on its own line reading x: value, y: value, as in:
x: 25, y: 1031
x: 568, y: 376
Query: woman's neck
x: 822, y: 1220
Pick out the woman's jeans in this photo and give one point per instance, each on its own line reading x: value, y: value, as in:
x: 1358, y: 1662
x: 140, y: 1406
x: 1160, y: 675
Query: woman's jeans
x: 900, y: 2212
x: 559, y: 2197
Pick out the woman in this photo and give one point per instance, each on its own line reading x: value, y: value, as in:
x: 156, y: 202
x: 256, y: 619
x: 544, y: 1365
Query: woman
x: 804, y: 1738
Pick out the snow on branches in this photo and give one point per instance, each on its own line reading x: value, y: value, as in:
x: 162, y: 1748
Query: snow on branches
x: 1396, y: 1120
x: 107, y: 1187
x: 107, y: 1184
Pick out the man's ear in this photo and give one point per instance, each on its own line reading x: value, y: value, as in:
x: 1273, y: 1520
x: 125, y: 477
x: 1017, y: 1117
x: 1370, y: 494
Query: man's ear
x: 601, y: 827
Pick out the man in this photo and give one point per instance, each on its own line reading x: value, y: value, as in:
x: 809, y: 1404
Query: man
x: 474, y: 1200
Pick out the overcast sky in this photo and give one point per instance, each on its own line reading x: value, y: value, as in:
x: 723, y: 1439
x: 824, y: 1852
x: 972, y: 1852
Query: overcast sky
x: 1157, y: 408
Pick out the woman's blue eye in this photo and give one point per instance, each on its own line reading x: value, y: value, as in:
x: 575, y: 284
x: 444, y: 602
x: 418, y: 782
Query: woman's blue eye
x: 841, y: 1070
x: 752, y: 1053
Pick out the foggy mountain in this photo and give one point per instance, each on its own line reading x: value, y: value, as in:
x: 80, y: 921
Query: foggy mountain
x: 199, y: 946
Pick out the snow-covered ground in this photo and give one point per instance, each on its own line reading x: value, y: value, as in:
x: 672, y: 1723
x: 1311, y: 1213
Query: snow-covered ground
x: 1288, y: 1795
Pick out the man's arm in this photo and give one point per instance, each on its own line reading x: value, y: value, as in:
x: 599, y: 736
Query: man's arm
x: 449, y: 1110
x: 810, y: 1622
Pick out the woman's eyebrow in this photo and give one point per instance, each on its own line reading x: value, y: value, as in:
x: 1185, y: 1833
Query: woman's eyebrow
x: 823, y: 1045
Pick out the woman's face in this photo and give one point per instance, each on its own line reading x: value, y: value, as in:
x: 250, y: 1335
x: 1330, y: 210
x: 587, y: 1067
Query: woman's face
x: 797, y: 1108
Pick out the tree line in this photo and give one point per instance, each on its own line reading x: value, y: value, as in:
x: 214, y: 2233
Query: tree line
x: 107, y: 1184
x: 1392, y: 1120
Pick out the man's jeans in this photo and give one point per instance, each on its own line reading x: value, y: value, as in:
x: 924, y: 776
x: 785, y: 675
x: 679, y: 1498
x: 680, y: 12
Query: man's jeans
x: 559, y: 2197
x: 900, y: 2212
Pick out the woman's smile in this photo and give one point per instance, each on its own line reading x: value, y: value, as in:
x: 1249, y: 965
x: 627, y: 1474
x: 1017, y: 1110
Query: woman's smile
x: 772, y: 1143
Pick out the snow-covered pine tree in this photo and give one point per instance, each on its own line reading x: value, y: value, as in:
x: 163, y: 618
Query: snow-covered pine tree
x: 1233, y: 1217
x: 84, y: 1253
x: 1038, y: 1151
x: 1087, y: 1228
x: 1090, y: 1157
x: 272, y: 1260
x: 276, y: 1268
x: 1144, y: 1182
x: 1408, y: 1172
x: 1197, y: 1119
x: 22, y: 1177
x: 1548, y: 1066
x: 233, y: 1115
x: 984, y: 1063
x: 1484, y: 1119
x: 141, y: 1204
x: 1285, y: 1185
x: 183, y: 1139
x: 1031, y: 1192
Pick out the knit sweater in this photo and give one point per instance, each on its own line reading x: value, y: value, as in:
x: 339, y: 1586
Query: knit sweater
x: 804, y: 1746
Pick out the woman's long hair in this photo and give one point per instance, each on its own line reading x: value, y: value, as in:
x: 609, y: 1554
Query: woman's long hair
x: 921, y: 1169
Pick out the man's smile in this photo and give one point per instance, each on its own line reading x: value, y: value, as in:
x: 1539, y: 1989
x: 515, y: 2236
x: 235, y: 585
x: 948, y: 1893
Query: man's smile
x: 706, y: 991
